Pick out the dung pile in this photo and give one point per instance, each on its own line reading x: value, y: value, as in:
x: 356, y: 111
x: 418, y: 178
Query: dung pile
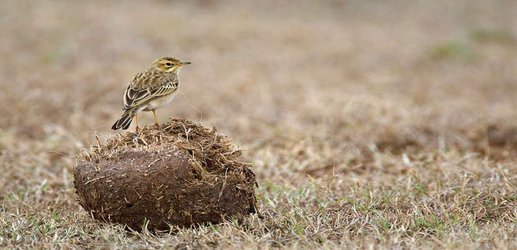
x: 180, y: 174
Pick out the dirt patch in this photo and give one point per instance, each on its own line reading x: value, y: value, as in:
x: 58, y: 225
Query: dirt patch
x: 180, y: 174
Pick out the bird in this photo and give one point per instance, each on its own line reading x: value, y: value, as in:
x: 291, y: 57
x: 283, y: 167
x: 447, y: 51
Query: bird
x: 150, y: 90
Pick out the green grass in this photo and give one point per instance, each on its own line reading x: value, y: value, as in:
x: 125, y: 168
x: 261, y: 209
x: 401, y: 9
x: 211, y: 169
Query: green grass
x: 503, y: 37
x: 453, y: 50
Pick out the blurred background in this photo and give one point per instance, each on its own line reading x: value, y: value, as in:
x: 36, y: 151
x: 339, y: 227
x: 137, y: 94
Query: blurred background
x: 336, y: 75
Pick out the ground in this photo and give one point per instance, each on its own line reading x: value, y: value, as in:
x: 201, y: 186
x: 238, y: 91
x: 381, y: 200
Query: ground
x: 368, y: 123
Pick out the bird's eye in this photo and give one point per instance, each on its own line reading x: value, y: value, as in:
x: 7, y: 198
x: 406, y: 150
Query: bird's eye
x: 168, y: 64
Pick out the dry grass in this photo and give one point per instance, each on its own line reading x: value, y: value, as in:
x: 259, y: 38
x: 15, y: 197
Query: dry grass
x: 369, y: 123
x: 205, y: 147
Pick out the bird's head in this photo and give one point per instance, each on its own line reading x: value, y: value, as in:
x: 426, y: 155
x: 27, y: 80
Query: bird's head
x: 169, y: 64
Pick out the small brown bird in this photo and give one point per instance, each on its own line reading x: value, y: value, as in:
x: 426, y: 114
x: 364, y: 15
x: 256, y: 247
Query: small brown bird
x: 149, y: 90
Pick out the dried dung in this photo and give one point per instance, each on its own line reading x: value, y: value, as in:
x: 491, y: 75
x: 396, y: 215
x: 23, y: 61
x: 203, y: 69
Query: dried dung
x: 180, y: 174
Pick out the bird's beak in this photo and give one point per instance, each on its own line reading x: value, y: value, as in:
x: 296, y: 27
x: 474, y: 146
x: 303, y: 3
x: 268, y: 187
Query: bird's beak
x: 184, y: 63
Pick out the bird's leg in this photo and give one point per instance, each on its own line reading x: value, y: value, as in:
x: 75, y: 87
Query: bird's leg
x: 136, y: 122
x: 155, y: 119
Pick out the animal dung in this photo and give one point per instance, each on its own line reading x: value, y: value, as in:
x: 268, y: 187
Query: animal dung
x: 181, y: 174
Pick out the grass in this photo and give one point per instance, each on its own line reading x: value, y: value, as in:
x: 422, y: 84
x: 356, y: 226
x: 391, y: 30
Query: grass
x: 452, y: 50
x: 358, y: 137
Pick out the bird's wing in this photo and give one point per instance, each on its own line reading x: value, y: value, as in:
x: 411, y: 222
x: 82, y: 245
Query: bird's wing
x: 140, y: 95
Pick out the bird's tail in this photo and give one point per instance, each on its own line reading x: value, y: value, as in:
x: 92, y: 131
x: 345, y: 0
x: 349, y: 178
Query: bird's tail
x: 124, y: 121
